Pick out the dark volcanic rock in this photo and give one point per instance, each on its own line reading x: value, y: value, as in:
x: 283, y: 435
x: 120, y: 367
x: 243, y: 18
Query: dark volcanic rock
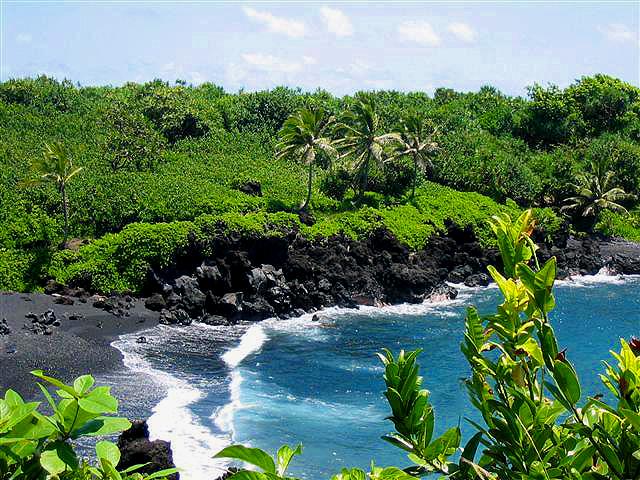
x: 477, y: 280
x: 155, y: 302
x: 4, y: 327
x: 63, y: 300
x: 251, y: 188
x: 136, y: 448
x: 175, y: 317
x: 443, y: 292
x: 192, y: 298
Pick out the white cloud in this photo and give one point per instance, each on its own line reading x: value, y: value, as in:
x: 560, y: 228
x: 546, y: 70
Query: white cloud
x: 419, y: 32
x: 270, y: 63
x: 359, y: 67
x: 336, y: 22
x: 617, y: 32
x: 462, y: 31
x: 24, y: 38
x: 286, y: 26
x: 307, y: 60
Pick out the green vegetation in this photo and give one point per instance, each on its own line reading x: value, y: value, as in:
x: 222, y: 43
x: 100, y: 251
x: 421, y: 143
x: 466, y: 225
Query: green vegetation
x: 40, y: 447
x: 156, y: 153
x: 536, y: 423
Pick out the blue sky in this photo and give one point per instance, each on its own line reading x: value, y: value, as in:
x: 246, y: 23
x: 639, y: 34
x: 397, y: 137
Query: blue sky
x: 340, y: 46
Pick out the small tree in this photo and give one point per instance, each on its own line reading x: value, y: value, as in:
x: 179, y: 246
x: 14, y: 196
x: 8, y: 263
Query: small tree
x: 55, y: 166
x: 595, y: 192
x: 416, y: 142
x: 304, y: 137
x: 362, y: 141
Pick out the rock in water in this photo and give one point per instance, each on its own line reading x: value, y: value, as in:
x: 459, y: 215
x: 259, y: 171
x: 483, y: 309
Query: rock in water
x: 4, y: 328
x: 136, y: 448
x: 477, y: 280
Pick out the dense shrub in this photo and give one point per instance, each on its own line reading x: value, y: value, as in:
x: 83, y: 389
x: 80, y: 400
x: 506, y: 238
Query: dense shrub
x: 527, y: 150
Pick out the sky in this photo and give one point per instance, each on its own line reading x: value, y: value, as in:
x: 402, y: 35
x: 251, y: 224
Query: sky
x: 342, y: 47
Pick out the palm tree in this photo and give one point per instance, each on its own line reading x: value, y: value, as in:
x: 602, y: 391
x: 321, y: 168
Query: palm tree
x: 417, y: 142
x: 595, y: 192
x: 55, y: 166
x: 362, y: 141
x: 304, y: 136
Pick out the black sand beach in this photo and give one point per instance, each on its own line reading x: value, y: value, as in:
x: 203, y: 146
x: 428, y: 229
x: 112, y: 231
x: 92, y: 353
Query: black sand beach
x: 78, y: 346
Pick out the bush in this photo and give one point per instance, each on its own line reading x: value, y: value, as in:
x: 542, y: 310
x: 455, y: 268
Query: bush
x: 613, y: 224
x: 36, y: 446
x: 120, y: 261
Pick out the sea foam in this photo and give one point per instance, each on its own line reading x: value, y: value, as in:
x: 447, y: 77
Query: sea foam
x: 193, y: 444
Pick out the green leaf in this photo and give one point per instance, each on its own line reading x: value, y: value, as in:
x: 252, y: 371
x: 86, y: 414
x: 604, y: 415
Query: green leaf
x: 469, y: 451
x: 632, y: 417
x: 161, y: 473
x: 82, y: 384
x: 102, y: 426
x: 611, y: 457
x: 253, y: 456
x: 284, y: 456
x: 99, y: 401
x: 54, y: 381
x: 567, y: 380
x: 248, y: 475
x: 58, y: 457
x: 108, y: 451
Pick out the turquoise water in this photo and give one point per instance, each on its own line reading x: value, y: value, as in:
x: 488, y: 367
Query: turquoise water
x: 319, y: 383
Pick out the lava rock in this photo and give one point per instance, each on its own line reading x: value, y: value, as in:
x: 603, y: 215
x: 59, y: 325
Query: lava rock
x: 251, y: 187
x: 155, y: 302
x: 136, y: 448
x: 443, y: 292
x: 54, y: 287
x: 192, y: 299
x: 63, y: 300
x: 477, y: 280
x: 4, y: 327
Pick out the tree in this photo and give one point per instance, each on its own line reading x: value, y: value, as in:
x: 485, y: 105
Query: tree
x: 595, y: 192
x: 304, y: 136
x: 362, y: 141
x: 55, y: 166
x: 416, y: 141
x: 131, y: 139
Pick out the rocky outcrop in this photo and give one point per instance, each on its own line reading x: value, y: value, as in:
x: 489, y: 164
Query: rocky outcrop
x: 255, y: 278
x: 136, y: 448
x: 42, y: 324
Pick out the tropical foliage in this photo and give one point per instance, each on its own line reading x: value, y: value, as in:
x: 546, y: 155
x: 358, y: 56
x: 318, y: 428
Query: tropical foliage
x: 37, y: 446
x: 536, y: 421
x: 162, y: 153
x: 304, y: 136
x: 56, y: 166
x: 596, y: 192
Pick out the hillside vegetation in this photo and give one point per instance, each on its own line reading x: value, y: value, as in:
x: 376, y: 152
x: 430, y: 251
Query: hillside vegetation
x: 162, y: 162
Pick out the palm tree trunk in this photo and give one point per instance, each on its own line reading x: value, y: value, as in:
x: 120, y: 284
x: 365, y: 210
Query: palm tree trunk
x: 310, y: 184
x: 365, y: 178
x: 415, y: 176
x: 65, y: 210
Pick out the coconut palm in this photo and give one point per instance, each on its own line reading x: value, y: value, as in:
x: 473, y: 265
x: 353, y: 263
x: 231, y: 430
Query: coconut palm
x: 303, y: 136
x: 55, y: 166
x: 362, y: 141
x: 595, y: 192
x: 416, y: 142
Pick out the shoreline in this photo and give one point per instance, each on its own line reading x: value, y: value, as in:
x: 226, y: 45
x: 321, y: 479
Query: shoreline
x: 257, y: 335
x: 80, y: 344
x: 287, y: 278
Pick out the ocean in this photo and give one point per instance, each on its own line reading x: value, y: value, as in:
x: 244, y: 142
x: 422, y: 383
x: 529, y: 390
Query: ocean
x: 319, y: 383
